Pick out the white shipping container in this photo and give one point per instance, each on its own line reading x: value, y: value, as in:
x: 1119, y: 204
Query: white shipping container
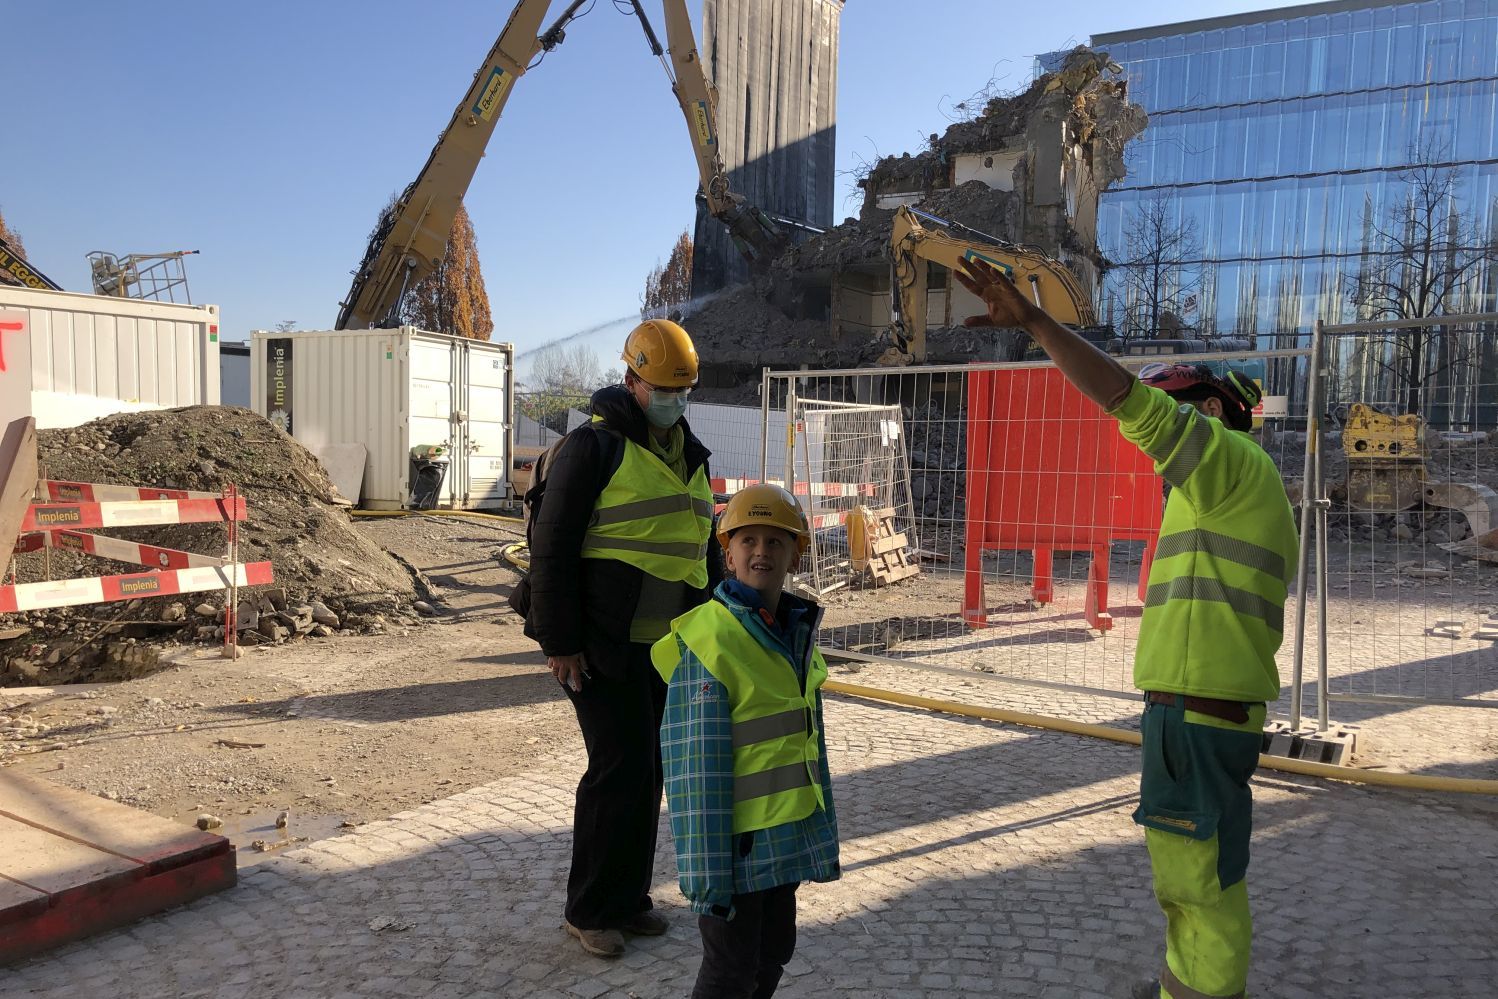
x: 92, y: 355
x: 394, y: 390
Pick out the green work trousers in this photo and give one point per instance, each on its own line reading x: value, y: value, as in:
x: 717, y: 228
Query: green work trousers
x: 1197, y: 810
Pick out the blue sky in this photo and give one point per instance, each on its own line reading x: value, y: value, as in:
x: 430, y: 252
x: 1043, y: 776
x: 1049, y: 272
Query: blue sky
x: 268, y: 135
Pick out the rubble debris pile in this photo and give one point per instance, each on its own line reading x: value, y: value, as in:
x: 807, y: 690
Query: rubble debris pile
x: 328, y: 576
x: 938, y: 456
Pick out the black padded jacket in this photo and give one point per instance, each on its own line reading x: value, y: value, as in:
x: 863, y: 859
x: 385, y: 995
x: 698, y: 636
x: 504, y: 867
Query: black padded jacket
x: 587, y: 605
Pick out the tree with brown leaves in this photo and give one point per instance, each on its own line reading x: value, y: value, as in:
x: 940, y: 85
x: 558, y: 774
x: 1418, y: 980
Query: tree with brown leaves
x: 452, y: 298
x: 13, y: 239
x: 670, y: 286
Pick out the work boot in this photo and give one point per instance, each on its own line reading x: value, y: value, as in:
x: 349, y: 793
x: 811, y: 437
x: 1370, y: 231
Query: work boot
x: 599, y: 943
x: 646, y: 923
x: 1146, y: 990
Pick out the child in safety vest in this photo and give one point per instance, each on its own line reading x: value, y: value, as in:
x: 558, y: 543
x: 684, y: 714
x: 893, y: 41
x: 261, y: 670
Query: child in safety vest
x: 743, y: 752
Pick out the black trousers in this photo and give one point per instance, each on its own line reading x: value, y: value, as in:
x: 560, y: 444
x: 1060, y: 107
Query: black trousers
x: 618, y: 807
x: 744, y: 957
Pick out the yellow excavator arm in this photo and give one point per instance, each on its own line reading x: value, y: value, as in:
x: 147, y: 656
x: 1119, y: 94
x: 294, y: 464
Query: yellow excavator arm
x: 1049, y: 282
x: 412, y: 236
x: 754, y: 233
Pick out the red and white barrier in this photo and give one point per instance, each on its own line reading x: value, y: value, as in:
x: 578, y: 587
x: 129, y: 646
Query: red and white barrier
x: 131, y: 586
x: 60, y: 491
x: 121, y: 551
x: 799, y: 488
x: 74, y: 506
x: 130, y: 513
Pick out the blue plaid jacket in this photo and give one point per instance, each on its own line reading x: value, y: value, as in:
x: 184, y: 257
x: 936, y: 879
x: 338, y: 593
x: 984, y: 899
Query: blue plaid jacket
x: 697, y: 754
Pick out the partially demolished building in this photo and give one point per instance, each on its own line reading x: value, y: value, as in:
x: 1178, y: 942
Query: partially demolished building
x: 1027, y: 168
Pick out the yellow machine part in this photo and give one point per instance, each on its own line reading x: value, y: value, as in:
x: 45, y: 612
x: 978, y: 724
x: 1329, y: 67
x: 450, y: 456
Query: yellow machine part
x: 1371, y: 434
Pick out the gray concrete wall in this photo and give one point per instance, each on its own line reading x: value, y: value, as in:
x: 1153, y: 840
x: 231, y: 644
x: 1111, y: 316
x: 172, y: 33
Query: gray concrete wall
x: 774, y: 63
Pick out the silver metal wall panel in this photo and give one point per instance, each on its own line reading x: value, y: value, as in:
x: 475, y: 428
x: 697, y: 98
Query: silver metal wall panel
x: 93, y: 355
x: 389, y: 390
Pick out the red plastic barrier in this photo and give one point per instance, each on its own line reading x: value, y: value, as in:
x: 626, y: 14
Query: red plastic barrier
x: 1047, y: 469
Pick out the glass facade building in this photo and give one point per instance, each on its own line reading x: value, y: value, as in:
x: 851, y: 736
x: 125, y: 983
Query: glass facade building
x: 1286, y: 137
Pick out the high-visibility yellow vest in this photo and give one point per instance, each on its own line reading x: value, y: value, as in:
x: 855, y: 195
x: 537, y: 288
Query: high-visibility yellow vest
x: 777, y: 766
x: 646, y: 516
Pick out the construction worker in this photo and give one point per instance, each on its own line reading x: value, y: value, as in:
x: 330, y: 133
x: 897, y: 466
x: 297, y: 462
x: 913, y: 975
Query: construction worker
x: 621, y: 543
x: 1213, y: 620
x: 743, y: 750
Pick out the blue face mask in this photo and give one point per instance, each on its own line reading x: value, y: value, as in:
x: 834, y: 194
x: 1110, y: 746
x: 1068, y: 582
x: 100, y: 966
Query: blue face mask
x: 666, y: 408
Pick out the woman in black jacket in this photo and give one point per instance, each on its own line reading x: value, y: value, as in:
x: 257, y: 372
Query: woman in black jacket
x: 620, y: 545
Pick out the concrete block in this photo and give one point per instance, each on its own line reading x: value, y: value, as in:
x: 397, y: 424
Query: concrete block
x: 1336, y: 746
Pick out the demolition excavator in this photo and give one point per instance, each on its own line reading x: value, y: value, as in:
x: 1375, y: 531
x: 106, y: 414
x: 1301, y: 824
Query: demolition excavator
x: 918, y: 238
x: 411, y: 236
x: 1386, y: 473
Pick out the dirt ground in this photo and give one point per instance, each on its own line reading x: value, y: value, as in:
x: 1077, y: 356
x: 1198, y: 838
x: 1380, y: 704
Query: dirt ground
x: 337, y: 730
x: 346, y: 729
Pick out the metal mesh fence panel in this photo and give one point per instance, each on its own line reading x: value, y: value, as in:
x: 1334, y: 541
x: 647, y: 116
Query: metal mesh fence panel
x: 1027, y: 520
x: 1409, y: 465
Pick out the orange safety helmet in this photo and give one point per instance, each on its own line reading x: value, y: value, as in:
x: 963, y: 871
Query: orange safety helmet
x: 765, y: 504
x: 661, y: 352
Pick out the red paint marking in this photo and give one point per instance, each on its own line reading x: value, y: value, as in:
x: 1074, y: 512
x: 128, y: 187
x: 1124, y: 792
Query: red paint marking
x: 8, y: 328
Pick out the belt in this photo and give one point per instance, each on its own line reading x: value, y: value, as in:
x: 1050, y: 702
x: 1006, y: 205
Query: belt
x: 1229, y: 711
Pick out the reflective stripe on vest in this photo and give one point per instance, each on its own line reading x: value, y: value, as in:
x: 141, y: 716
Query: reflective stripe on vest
x: 647, y: 517
x: 777, y: 764
x: 1262, y: 589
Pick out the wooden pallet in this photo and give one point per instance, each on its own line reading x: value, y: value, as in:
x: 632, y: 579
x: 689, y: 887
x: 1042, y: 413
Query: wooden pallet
x: 890, y: 558
x: 73, y: 865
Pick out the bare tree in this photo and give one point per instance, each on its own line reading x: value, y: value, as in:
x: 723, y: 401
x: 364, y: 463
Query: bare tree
x: 669, y: 286
x: 562, y: 378
x: 1421, y: 259
x: 1161, y: 286
x: 452, y: 298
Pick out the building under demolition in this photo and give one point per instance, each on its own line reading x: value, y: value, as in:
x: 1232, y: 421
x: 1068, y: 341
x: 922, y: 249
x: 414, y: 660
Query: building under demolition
x: 1026, y: 169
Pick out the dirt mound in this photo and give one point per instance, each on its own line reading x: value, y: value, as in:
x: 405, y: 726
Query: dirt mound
x: 321, y: 563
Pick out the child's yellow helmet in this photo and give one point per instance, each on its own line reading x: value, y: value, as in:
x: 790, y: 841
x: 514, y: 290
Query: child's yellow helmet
x: 765, y: 504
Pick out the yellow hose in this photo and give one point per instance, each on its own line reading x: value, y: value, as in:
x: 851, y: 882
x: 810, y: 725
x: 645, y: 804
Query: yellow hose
x: 1415, y: 782
x: 511, y: 554
x: 435, y: 513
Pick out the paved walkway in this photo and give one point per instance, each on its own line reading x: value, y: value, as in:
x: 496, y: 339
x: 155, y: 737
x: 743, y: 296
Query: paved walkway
x: 980, y: 860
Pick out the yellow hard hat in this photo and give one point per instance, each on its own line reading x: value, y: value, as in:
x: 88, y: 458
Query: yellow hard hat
x: 661, y: 352
x: 765, y: 504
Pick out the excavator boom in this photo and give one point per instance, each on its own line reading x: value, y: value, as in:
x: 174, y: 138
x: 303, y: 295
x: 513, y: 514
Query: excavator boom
x: 1049, y: 282
x: 412, y: 236
x: 755, y: 234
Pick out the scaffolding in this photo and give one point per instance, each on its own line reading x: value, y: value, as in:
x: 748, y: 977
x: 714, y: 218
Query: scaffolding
x: 154, y: 277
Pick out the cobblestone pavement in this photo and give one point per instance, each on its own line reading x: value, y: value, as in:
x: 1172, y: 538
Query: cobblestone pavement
x: 980, y: 859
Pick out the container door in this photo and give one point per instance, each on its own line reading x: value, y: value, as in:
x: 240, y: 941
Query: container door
x: 431, y: 401
x: 457, y: 417
x: 488, y: 460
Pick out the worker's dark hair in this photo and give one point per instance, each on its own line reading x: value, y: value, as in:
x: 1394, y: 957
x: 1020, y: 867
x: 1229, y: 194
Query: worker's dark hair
x: 1237, y: 392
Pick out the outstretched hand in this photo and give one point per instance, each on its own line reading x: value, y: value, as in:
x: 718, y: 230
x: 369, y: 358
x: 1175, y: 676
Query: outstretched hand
x: 1007, y: 307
